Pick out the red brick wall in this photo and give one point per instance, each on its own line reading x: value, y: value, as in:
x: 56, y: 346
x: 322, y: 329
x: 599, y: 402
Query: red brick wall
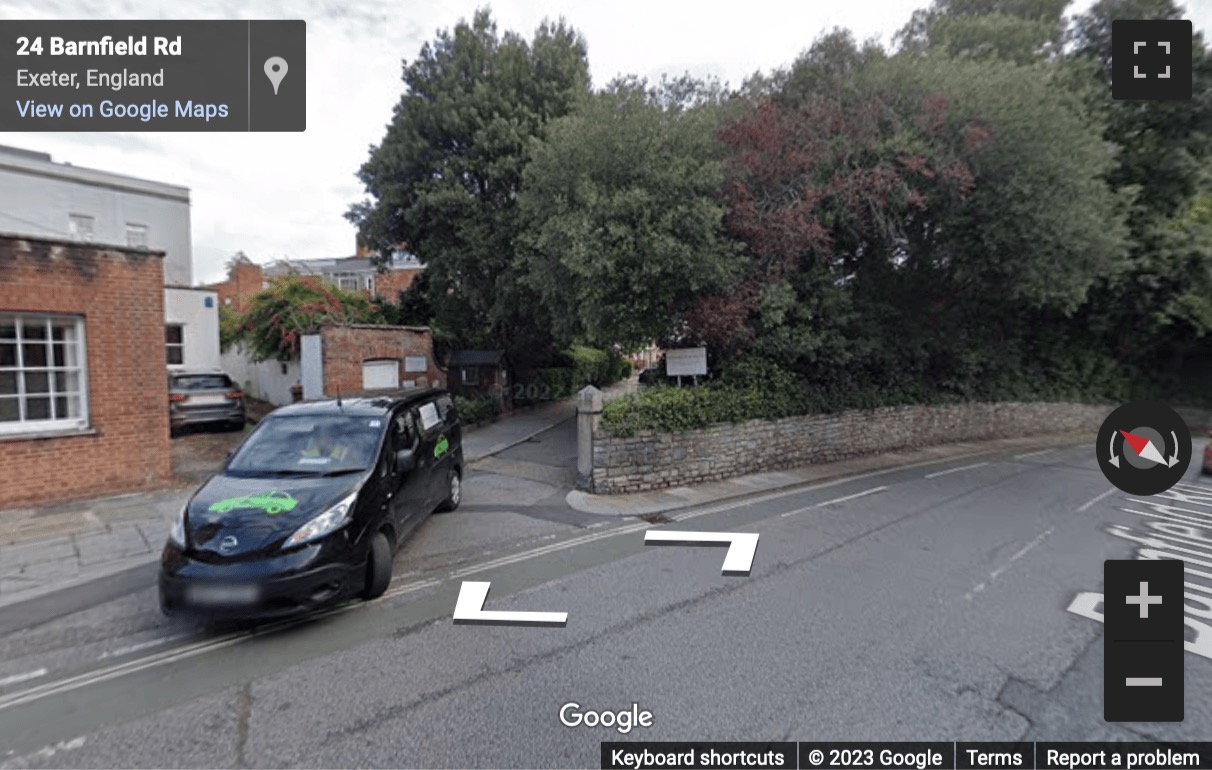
x: 389, y: 285
x: 242, y: 282
x: 345, y: 348
x: 121, y: 296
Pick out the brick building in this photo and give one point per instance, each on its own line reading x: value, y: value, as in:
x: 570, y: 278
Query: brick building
x: 244, y: 279
x: 83, y: 387
x: 355, y: 358
x: 355, y: 273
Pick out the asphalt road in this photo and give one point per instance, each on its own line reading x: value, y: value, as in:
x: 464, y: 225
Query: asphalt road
x: 940, y: 602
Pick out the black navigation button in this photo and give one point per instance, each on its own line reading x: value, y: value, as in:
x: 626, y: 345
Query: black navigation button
x: 1143, y: 641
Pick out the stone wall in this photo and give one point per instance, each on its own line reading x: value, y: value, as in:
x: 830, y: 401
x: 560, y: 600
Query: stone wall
x: 656, y: 460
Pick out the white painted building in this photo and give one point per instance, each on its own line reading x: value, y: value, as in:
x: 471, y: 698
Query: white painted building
x: 191, y: 329
x: 58, y: 200
x: 42, y: 198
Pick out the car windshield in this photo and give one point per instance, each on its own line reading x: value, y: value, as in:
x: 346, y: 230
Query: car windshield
x: 309, y: 446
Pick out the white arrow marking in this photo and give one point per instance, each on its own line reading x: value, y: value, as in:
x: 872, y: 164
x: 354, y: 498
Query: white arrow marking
x: 741, y: 546
x: 469, y: 610
x: 1114, y: 457
x: 1174, y: 457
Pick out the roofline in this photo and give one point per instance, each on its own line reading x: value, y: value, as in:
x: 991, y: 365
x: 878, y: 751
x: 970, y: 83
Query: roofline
x: 379, y: 326
x: 91, y: 245
x: 92, y: 177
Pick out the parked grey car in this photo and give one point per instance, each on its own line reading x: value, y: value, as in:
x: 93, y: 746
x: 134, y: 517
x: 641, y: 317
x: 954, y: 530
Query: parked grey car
x: 204, y: 397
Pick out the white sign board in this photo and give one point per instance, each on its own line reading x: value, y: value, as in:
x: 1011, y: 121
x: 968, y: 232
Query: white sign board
x: 416, y: 364
x: 686, y: 362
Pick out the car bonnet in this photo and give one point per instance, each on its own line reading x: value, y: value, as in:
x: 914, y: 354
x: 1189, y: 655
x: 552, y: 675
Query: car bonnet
x: 237, y: 515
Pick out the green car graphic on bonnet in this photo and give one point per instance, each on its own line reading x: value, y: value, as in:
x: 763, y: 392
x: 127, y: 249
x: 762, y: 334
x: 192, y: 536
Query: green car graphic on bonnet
x: 272, y: 502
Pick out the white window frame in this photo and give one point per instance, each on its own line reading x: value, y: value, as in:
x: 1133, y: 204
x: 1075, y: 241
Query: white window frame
x: 136, y: 235
x: 76, y: 226
x: 170, y: 345
x: 23, y: 425
x: 347, y: 281
x: 415, y: 364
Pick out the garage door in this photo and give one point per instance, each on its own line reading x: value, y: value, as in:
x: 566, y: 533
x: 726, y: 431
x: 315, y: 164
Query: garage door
x: 380, y: 375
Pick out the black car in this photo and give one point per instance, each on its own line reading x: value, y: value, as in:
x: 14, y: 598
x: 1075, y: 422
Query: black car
x: 311, y: 507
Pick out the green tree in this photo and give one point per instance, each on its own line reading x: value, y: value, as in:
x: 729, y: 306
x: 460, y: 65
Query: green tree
x: 921, y: 224
x: 446, y: 177
x: 620, y: 203
x: 293, y: 306
x: 1156, y: 312
x: 1021, y: 31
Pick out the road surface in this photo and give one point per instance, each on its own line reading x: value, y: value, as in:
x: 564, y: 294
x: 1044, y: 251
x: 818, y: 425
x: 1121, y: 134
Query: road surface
x: 956, y: 600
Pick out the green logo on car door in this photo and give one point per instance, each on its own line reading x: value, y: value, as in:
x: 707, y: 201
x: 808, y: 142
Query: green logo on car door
x: 273, y: 503
x: 442, y: 447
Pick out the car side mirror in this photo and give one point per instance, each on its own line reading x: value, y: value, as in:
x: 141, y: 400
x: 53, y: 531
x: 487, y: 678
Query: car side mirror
x: 405, y: 460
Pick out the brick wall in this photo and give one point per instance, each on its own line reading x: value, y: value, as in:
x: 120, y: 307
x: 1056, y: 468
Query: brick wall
x: 346, y: 348
x: 657, y: 460
x: 120, y: 294
x: 243, y: 281
x: 389, y: 284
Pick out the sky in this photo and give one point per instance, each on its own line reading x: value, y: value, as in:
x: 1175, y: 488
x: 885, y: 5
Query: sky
x: 276, y: 195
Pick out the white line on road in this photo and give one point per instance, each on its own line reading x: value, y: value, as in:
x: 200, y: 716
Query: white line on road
x: 1036, y: 453
x: 955, y: 470
x: 140, y: 646
x: 995, y: 574
x: 28, y: 675
x: 1020, y: 554
x: 1086, y: 506
x: 865, y: 492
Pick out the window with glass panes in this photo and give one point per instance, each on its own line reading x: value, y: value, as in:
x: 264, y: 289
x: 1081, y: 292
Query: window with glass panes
x: 42, y: 373
x: 174, y: 344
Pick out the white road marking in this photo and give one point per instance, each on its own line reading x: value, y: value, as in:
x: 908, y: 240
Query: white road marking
x: 1035, y: 454
x: 1086, y: 506
x: 995, y: 574
x: 865, y: 492
x: 16, y: 678
x: 140, y: 646
x: 1020, y: 553
x: 955, y: 470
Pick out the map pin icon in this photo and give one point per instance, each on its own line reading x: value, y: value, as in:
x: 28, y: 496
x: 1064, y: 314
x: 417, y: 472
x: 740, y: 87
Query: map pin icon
x: 275, y: 70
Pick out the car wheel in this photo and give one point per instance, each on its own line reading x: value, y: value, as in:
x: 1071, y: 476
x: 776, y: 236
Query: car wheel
x: 378, y: 567
x: 454, y: 491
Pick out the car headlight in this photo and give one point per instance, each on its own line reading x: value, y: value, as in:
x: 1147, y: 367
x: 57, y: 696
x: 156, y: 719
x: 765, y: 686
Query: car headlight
x: 176, y: 534
x: 324, y: 524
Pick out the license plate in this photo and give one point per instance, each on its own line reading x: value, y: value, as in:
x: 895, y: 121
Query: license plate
x: 207, y: 400
x: 223, y: 594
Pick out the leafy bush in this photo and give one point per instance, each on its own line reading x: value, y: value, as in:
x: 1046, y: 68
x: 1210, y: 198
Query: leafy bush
x: 476, y: 410
x: 753, y: 388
